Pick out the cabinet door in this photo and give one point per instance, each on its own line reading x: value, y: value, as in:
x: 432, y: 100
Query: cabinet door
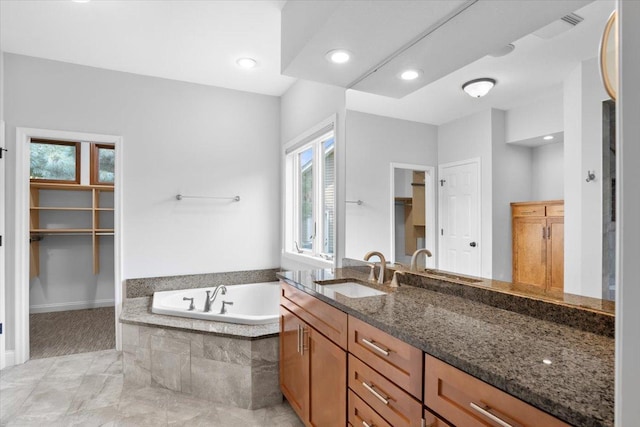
x: 327, y: 379
x: 530, y: 251
x: 555, y: 251
x: 294, y: 382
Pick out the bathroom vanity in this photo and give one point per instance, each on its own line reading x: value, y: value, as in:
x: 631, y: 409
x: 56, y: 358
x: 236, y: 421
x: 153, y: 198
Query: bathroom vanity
x: 440, y: 354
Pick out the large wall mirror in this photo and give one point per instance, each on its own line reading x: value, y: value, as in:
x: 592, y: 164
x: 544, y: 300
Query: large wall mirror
x: 542, y: 134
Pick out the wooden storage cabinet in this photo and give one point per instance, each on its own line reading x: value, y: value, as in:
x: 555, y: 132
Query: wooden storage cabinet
x: 313, y: 368
x: 93, y: 208
x: 538, y: 245
x: 467, y: 401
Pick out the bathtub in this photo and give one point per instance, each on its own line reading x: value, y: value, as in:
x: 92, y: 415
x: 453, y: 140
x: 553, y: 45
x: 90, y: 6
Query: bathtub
x: 253, y: 304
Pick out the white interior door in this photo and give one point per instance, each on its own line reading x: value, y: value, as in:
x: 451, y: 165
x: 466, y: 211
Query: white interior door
x: 460, y: 217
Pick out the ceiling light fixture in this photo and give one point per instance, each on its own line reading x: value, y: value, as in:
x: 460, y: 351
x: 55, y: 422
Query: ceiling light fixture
x: 338, y: 56
x: 81, y: 1
x: 478, y: 87
x: 548, y: 138
x: 410, y: 74
x: 246, y: 63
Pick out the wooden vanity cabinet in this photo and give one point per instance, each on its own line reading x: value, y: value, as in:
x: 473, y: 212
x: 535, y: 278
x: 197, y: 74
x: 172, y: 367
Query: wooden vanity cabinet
x: 538, y: 245
x: 467, y: 401
x: 313, y: 368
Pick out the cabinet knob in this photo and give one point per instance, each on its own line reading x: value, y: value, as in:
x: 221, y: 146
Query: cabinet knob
x: 473, y: 244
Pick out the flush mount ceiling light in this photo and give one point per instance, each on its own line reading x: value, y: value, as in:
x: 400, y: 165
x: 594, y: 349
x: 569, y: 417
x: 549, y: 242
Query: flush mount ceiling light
x: 478, y: 87
x: 548, y: 138
x: 338, y: 56
x: 410, y: 74
x: 505, y: 50
x: 246, y: 63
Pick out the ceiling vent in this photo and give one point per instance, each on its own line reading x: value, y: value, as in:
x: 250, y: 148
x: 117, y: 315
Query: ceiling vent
x: 572, y: 19
x: 563, y: 24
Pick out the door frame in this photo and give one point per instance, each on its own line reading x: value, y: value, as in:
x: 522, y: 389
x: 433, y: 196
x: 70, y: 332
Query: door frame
x: 3, y: 192
x: 430, y: 208
x: 442, y: 166
x: 22, y: 156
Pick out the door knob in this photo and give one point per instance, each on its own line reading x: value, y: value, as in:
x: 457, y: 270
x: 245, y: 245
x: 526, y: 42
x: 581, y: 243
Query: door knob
x: 473, y: 244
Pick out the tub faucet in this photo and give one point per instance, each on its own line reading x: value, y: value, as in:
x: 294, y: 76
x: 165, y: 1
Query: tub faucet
x: 208, y: 302
x: 414, y: 258
x: 383, y: 266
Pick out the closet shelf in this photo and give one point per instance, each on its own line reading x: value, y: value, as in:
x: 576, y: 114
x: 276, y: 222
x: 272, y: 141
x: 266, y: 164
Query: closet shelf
x: 55, y: 208
x: 95, y: 230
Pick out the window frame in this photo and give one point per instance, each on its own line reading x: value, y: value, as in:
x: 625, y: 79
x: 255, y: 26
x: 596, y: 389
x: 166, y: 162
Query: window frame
x: 315, y: 138
x: 77, y: 146
x: 94, y: 164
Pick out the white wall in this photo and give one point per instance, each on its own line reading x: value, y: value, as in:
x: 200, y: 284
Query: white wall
x: 547, y: 172
x: 583, y: 96
x: 303, y: 106
x: 373, y: 143
x: 543, y: 116
x: 468, y: 138
x: 178, y: 137
x: 511, y: 180
x: 628, y: 208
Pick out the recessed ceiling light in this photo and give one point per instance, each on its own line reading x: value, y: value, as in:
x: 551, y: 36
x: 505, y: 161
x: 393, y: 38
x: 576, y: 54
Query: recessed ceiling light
x: 338, y: 56
x: 548, y: 138
x: 246, y: 63
x: 81, y: 1
x: 478, y: 87
x: 546, y: 361
x: 410, y: 74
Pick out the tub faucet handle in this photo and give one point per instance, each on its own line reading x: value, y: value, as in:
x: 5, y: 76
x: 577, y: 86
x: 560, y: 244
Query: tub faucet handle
x: 191, y: 306
x: 223, y: 310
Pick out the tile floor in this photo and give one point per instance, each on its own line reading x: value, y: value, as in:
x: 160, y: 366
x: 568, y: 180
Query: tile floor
x: 87, y: 390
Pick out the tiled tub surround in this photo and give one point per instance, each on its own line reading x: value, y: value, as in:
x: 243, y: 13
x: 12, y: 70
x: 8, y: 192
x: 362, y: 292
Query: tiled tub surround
x: 503, y: 348
x: 226, y: 363
x: 145, y: 287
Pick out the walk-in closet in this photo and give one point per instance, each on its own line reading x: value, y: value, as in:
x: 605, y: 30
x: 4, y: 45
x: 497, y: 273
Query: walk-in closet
x: 71, y: 286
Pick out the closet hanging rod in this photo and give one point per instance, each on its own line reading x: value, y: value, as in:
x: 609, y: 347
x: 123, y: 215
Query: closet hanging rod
x: 357, y: 202
x: 181, y: 196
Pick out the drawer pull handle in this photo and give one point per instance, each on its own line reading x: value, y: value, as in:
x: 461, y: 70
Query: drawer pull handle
x: 366, y: 424
x: 485, y: 411
x: 380, y: 397
x: 375, y: 346
x: 299, y: 339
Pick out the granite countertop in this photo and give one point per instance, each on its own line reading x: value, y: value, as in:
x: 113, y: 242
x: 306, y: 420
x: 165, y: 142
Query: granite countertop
x: 503, y: 348
x: 137, y: 311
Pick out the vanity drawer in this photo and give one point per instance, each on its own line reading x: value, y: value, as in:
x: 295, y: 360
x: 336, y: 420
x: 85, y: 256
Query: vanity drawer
x: 361, y: 413
x: 327, y: 320
x: 555, y: 210
x: 396, y: 360
x: 468, y: 401
x: 528, y: 210
x: 386, y: 398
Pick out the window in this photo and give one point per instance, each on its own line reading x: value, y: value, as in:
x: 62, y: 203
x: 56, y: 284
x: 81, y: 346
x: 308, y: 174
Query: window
x: 103, y: 162
x: 310, y: 194
x: 55, y: 161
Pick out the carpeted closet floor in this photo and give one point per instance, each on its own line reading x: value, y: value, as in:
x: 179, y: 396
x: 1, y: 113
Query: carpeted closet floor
x: 70, y: 332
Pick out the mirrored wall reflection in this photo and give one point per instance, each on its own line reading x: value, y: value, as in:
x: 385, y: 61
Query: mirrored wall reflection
x: 506, y: 131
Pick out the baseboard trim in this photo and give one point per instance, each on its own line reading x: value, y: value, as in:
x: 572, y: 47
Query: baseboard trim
x: 66, y: 306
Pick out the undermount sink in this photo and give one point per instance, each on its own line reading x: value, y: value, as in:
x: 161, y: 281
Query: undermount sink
x: 349, y: 289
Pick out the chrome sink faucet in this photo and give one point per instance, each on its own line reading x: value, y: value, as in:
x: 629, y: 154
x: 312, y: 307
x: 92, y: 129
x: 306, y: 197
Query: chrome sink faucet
x: 383, y: 266
x: 414, y: 258
x: 208, y: 302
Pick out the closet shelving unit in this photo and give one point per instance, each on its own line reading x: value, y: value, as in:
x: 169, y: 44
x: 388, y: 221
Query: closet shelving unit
x: 95, y: 210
